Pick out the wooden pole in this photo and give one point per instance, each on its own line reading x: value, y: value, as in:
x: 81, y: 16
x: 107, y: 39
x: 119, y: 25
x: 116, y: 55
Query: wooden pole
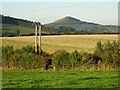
x: 40, y: 28
x: 36, y: 39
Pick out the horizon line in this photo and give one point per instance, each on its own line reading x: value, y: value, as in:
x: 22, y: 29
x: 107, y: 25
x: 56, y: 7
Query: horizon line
x: 57, y: 19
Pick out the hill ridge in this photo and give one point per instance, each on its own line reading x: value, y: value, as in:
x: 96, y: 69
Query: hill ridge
x: 68, y: 19
x: 65, y: 25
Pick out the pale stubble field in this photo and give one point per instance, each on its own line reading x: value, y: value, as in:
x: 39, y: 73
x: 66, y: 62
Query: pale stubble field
x: 70, y: 43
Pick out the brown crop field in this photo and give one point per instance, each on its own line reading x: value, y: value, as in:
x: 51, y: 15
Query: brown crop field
x: 70, y: 43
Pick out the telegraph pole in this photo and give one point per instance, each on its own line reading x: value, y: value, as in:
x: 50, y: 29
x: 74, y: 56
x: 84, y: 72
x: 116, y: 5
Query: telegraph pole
x: 38, y: 28
x: 36, y: 38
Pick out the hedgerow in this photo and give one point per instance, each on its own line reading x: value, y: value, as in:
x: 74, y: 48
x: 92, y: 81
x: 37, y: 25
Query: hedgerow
x: 105, y: 57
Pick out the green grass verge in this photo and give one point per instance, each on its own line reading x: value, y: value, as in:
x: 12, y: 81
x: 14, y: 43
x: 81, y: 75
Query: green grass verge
x: 60, y: 79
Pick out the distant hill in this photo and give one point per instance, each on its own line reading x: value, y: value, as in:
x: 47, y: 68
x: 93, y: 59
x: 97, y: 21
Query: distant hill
x: 68, y: 25
x: 68, y: 20
x: 16, y: 21
x: 14, y: 27
x: 83, y: 26
x: 71, y: 20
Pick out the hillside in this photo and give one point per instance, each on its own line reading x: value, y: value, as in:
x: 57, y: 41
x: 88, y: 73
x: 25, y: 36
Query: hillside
x: 68, y: 25
x: 16, y: 21
x: 83, y: 26
x: 14, y: 27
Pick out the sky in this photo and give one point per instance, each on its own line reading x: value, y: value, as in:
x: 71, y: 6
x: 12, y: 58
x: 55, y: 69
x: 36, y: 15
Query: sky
x: 47, y: 12
x: 60, y: 0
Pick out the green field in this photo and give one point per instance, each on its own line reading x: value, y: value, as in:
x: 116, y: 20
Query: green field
x: 61, y: 79
x: 12, y: 29
x: 70, y: 43
x: 9, y: 28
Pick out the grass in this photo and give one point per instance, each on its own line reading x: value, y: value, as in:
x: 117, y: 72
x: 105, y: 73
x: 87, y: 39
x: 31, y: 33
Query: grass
x: 60, y: 79
x: 12, y: 28
x: 70, y: 43
x: 9, y: 28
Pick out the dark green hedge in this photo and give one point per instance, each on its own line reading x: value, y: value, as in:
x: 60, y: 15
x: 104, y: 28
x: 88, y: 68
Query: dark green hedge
x: 105, y: 56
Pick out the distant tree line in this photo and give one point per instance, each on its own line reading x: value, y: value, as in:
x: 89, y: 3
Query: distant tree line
x: 10, y: 34
x: 14, y: 34
x: 105, y: 57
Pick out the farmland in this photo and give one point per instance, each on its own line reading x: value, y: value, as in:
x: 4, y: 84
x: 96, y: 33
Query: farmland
x: 12, y: 29
x: 73, y: 53
x: 70, y: 43
x: 38, y: 78
x: 60, y: 79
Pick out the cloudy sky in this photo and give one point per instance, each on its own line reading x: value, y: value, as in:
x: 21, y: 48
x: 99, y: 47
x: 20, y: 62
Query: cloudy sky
x: 46, y: 12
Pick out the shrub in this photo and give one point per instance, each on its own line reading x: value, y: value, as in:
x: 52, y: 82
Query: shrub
x: 40, y: 60
x: 27, y: 49
x: 27, y: 61
x: 75, y: 58
x: 86, y: 58
x: 105, y: 54
x: 7, y: 52
x: 60, y: 58
x: 109, y: 53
